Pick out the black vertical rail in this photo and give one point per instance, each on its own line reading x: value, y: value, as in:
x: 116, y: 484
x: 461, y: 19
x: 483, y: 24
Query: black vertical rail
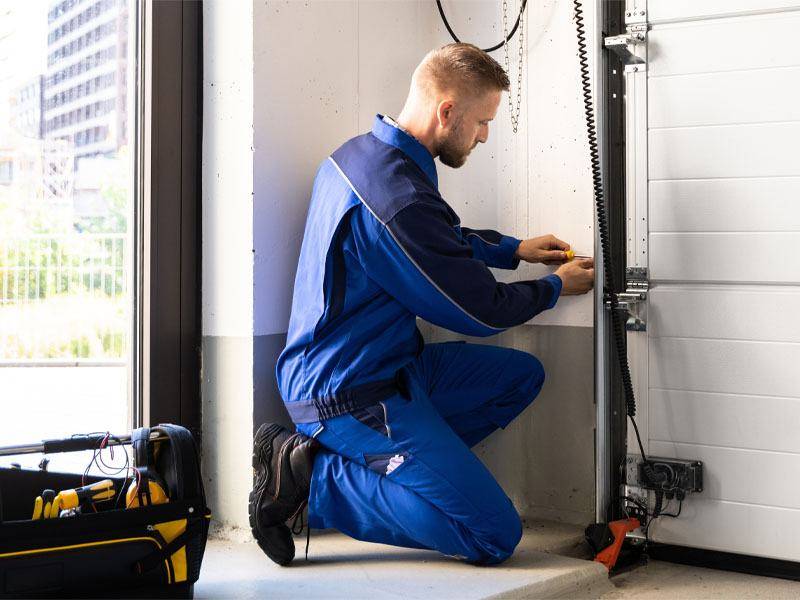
x: 602, y: 208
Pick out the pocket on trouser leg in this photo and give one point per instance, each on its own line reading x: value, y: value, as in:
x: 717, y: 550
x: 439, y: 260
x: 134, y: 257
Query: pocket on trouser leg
x: 374, y: 417
x: 386, y: 464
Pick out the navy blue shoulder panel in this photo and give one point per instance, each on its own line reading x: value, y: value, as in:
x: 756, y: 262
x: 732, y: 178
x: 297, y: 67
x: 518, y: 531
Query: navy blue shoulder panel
x: 383, y: 176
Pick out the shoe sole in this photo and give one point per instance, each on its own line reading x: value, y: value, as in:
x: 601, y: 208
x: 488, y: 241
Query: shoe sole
x: 262, y: 469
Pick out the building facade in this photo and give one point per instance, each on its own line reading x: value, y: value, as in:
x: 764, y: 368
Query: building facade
x: 85, y: 99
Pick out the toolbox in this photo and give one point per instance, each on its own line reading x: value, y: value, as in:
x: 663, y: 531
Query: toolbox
x: 142, y: 532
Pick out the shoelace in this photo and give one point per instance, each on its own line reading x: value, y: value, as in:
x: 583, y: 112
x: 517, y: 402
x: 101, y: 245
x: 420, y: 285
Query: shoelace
x: 299, y: 516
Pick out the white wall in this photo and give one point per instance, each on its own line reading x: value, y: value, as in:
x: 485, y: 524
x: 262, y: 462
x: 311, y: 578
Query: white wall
x: 227, y: 169
x: 227, y: 250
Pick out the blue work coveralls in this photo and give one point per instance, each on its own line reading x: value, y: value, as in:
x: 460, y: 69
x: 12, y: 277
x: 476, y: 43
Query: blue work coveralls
x: 397, y: 418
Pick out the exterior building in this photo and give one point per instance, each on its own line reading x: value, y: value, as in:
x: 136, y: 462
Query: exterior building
x: 85, y: 99
x: 26, y: 106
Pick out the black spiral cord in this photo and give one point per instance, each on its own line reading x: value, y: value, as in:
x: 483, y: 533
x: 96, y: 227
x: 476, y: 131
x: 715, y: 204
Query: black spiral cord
x: 618, y: 331
x: 496, y: 46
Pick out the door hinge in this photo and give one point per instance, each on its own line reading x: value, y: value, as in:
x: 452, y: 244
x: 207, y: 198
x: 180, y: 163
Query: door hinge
x: 633, y: 298
x: 636, y: 34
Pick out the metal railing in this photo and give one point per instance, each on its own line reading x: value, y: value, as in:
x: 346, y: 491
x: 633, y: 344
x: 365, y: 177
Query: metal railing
x: 37, y: 267
x: 64, y: 298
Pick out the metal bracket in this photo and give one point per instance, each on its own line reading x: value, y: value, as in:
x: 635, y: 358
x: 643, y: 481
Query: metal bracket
x: 634, y: 296
x: 635, y: 15
x: 619, y: 45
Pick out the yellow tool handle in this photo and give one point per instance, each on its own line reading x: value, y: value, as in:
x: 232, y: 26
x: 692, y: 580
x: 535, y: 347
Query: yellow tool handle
x: 48, y: 497
x: 571, y: 255
x: 68, y: 499
x: 55, y: 508
x: 101, y: 490
x: 94, y: 492
x: 38, y: 504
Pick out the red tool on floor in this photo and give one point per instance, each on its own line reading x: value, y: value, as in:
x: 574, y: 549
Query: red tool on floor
x: 606, y: 539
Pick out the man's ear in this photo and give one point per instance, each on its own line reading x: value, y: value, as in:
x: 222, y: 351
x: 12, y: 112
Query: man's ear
x: 444, y: 112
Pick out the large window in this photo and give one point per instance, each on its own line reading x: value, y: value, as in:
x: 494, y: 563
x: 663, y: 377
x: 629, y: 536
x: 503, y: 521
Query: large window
x: 99, y: 209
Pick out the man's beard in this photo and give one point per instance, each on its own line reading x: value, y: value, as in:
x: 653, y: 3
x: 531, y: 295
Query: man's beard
x: 453, y: 150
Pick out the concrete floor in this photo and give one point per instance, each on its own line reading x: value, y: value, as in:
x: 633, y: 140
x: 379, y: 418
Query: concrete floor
x: 339, y: 567
x: 551, y: 562
x: 667, y: 581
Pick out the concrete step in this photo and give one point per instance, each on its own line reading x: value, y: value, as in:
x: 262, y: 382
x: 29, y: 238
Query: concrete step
x: 339, y: 567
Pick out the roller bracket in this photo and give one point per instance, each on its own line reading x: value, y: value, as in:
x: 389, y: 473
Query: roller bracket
x: 634, y: 296
x: 621, y: 46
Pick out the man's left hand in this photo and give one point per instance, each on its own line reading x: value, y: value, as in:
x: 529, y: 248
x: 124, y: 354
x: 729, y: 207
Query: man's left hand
x: 545, y: 249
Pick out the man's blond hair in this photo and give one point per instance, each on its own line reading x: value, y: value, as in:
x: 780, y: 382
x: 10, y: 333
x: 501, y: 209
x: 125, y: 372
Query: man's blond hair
x: 460, y: 67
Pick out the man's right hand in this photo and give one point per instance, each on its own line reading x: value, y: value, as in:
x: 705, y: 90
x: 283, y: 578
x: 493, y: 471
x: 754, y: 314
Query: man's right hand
x: 577, y: 276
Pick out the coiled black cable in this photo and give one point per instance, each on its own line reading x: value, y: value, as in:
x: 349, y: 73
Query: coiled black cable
x: 602, y: 225
x: 496, y: 46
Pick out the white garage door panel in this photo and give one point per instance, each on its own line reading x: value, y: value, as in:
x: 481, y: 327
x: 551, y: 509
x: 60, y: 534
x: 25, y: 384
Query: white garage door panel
x: 763, y: 150
x: 732, y: 527
x: 719, y: 364
x: 659, y: 10
x: 722, y: 312
x: 719, y: 98
x: 725, y: 257
x: 725, y: 204
x: 740, y: 475
x: 732, y: 44
x: 757, y: 422
x: 758, y: 368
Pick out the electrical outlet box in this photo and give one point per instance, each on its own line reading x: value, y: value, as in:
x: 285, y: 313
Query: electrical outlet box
x: 680, y: 476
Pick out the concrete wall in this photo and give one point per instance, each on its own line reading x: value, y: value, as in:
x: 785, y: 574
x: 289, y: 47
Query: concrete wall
x: 227, y: 299
x: 318, y: 73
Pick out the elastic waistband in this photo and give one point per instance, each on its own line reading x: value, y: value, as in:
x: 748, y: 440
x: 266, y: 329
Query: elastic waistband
x: 344, y: 401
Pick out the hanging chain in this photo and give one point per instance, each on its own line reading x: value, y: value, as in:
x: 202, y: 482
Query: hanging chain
x: 514, y: 112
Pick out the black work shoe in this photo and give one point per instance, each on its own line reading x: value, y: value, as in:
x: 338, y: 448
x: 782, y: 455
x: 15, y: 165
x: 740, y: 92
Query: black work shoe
x: 283, y: 463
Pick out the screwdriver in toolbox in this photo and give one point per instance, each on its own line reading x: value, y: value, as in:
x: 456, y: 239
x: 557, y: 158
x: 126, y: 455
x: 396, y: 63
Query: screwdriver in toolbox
x: 72, y: 498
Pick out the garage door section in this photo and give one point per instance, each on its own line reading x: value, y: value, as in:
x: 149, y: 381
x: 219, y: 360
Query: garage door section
x: 715, y: 109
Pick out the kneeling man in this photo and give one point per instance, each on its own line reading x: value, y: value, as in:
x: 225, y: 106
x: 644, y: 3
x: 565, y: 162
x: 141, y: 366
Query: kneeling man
x: 384, y: 422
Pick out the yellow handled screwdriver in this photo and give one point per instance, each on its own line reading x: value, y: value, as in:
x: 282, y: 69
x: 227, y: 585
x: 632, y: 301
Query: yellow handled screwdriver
x: 571, y: 255
x: 94, y: 492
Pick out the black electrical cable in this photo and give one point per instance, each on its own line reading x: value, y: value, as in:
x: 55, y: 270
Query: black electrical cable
x: 602, y: 225
x: 496, y: 46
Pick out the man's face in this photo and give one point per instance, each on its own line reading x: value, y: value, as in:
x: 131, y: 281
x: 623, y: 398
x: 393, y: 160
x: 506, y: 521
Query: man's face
x: 467, y: 127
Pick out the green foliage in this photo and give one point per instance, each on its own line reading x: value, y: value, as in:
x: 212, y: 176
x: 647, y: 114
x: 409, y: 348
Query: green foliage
x: 75, y: 326
x: 63, y: 288
x: 41, y: 267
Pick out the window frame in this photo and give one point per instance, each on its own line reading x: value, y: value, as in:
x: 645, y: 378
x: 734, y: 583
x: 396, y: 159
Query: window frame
x: 168, y: 229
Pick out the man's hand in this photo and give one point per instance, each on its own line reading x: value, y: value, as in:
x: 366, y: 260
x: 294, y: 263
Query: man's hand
x: 547, y: 249
x: 577, y: 277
